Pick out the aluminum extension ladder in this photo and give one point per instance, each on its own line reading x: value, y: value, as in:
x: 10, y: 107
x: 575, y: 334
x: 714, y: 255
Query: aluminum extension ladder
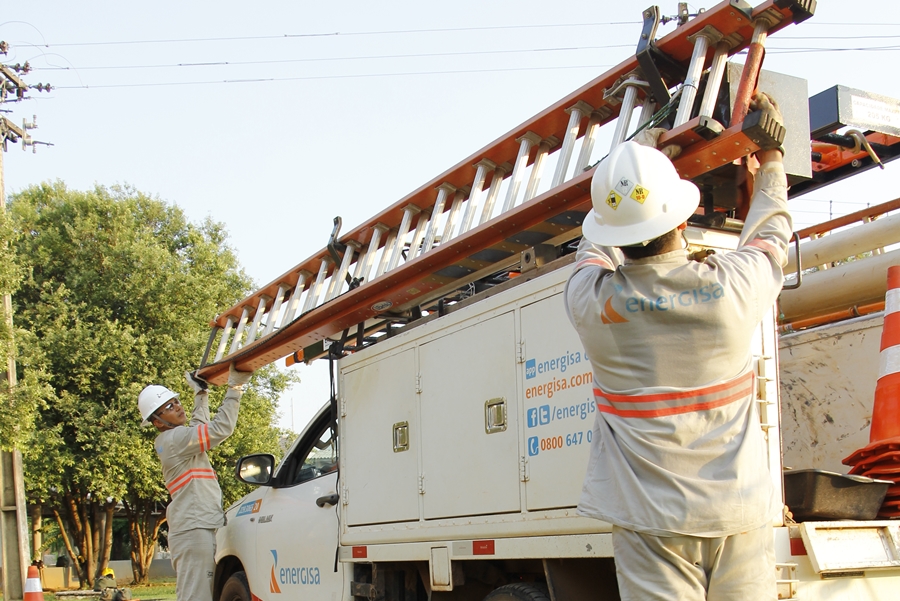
x: 459, y: 228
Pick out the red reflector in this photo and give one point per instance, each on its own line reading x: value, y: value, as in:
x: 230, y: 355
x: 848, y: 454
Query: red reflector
x: 360, y: 552
x: 482, y: 547
x: 797, y: 547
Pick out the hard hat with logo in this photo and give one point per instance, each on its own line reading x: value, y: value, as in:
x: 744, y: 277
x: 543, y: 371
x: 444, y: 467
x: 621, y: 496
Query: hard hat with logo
x: 637, y: 196
x: 152, y: 398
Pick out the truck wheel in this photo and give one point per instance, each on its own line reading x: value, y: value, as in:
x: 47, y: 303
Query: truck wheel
x: 519, y: 591
x: 236, y: 588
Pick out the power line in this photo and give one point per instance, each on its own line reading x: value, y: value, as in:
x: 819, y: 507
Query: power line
x: 318, y: 77
x: 327, y: 34
x: 334, y: 58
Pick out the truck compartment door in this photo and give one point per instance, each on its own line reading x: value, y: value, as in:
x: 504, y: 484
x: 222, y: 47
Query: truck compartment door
x: 470, y: 456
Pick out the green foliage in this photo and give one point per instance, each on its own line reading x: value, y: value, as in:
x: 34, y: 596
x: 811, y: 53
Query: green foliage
x: 18, y: 406
x: 117, y: 294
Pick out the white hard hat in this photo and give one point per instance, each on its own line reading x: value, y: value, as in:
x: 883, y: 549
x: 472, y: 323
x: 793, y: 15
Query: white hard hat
x: 152, y: 398
x: 637, y: 196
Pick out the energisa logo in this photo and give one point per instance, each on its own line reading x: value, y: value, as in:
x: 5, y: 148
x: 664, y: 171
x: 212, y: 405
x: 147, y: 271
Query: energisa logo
x: 561, y: 363
x: 291, y: 575
x: 273, y: 582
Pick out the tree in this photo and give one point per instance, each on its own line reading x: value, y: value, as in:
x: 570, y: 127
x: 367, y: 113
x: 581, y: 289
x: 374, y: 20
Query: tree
x: 18, y: 406
x: 118, y: 293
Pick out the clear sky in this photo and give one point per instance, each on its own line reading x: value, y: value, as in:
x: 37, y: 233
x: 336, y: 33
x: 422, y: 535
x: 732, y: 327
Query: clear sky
x: 273, y: 117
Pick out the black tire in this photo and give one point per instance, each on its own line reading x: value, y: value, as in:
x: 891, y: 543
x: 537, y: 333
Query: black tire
x: 519, y: 591
x: 236, y: 588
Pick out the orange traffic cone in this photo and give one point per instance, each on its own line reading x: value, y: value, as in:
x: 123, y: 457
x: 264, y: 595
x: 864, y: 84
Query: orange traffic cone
x: 884, y: 433
x: 33, y: 590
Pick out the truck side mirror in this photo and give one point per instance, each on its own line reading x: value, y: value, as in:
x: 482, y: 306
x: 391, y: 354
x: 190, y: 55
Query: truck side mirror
x: 255, y: 469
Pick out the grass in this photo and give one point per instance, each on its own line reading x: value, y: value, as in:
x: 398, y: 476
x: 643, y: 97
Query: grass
x: 161, y: 590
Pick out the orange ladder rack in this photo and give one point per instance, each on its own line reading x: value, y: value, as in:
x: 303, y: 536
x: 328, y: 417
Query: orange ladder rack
x: 456, y: 229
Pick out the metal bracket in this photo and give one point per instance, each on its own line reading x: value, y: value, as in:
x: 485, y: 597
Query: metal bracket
x: 795, y: 238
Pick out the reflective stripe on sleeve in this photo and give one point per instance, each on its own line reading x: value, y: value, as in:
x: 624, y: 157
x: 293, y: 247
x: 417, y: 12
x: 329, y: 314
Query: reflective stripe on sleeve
x: 595, y: 262
x: 773, y: 249
x: 195, y: 474
x: 203, y: 437
x: 674, y: 403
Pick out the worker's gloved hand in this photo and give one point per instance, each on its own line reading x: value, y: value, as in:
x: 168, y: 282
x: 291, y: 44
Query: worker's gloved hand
x: 238, y: 378
x: 650, y: 137
x: 196, y: 383
x: 763, y: 102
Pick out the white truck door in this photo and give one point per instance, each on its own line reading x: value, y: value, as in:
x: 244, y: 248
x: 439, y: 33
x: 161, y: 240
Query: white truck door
x: 297, y: 525
x: 470, y: 456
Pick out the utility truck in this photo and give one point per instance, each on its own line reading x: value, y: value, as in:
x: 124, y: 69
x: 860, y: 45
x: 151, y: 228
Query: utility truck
x: 449, y: 461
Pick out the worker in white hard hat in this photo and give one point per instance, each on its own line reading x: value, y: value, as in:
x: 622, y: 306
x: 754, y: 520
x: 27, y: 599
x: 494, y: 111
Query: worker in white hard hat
x: 195, y: 511
x: 678, y: 461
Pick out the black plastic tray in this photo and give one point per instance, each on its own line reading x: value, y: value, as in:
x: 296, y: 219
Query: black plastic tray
x: 821, y: 495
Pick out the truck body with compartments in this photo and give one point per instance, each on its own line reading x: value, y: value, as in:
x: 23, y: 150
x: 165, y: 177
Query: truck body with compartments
x: 448, y: 464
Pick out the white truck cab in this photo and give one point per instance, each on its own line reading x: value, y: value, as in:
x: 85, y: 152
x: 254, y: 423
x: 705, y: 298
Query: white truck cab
x: 463, y: 444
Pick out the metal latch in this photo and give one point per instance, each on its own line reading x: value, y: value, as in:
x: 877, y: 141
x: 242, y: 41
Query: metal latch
x: 401, y: 437
x: 495, y: 415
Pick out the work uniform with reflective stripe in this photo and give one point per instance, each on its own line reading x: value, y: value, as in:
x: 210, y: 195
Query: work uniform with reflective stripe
x: 677, y: 446
x: 196, y: 507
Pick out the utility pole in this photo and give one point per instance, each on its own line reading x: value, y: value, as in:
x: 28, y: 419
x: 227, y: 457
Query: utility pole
x: 13, y: 522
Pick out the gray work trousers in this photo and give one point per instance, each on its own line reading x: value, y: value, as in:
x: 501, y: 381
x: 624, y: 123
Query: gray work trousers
x: 740, y: 567
x: 194, y: 559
